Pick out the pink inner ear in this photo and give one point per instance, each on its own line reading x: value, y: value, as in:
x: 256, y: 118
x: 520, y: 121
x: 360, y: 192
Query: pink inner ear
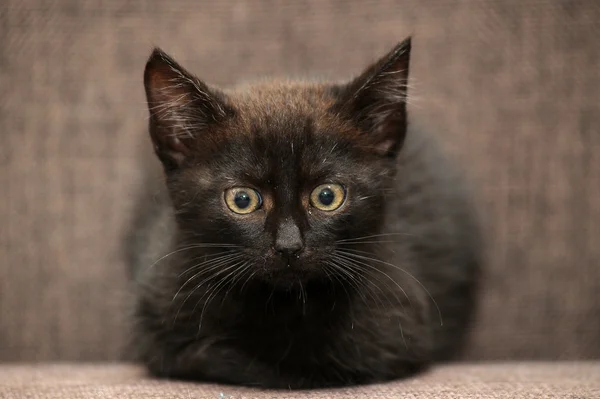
x: 176, y: 149
x: 166, y: 87
x: 158, y: 84
x: 176, y: 145
x: 385, y: 146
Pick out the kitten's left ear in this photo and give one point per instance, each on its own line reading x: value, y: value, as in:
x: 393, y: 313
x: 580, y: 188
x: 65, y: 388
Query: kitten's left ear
x: 376, y: 100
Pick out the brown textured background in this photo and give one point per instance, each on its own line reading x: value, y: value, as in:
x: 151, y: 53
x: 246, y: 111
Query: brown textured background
x: 513, y: 85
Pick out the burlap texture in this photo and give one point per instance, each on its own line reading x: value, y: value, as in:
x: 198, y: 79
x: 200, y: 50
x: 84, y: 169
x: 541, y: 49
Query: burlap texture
x: 512, y: 85
x: 566, y: 380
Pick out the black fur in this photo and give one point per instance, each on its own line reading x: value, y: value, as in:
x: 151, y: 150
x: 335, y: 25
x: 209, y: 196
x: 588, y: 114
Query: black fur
x: 381, y: 287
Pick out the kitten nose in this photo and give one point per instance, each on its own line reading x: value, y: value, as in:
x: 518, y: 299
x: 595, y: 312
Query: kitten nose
x: 288, y: 240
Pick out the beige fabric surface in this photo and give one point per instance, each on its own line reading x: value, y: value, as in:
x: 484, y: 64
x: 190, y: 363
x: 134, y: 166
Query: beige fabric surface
x: 490, y: 381
x: 513, y: 86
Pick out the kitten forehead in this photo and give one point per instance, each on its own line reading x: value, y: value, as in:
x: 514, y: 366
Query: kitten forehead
x: 285, y: 104
x: 298, y: 93
x: 281, y: 98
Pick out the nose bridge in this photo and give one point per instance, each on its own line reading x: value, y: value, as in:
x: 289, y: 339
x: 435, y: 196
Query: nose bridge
x: 288, y: 215
x: 287, y: 210
x: 287, y: 218
x: 287, y: 223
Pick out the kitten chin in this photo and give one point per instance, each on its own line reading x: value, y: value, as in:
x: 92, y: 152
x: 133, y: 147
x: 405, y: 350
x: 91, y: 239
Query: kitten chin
x: 303, y: 237
x: 289, y: 277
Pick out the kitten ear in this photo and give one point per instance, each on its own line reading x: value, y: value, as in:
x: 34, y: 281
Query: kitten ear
x: 376, y: 100
x: 181, y: 107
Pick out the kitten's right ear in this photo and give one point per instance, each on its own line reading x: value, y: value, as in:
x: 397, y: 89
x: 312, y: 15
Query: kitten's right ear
x: 181, y: 107
x: 376, y: 100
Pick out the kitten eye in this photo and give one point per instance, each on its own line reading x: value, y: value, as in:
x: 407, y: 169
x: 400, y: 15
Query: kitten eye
x: 328, y: 197
x: 242, y: 200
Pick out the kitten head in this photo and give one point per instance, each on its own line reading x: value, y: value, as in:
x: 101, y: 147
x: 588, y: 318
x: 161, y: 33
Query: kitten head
x: 278, y: 173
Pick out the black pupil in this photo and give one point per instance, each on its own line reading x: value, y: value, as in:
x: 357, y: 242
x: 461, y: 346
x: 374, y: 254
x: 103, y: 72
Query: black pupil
x: 326, y: 197
x: 242, y: 200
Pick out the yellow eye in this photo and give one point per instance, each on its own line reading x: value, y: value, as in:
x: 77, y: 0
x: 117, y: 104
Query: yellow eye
x: 242, y: 200
x: 328, y: 197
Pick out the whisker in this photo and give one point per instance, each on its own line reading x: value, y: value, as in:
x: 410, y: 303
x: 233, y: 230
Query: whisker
x: 367, y: 258
x: 334, y: 275
x: 193, y: 246
x: 368, y: 242
x: 238, y: 275
x: 206, y: 280
x: 303, y: 296
x: 245, y: 266
x: 212, y: 267
x: 208, y: 262
x: 373, y: 268
x: 347, y: 275
x: 374, y: 236
x: 351, y: 264
x: 215, y: 292
x: 248, y: 280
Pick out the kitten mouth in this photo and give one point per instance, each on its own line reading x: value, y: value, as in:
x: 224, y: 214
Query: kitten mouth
x: 287, y: 277
x: 287, y: 272
x: 287, y: 261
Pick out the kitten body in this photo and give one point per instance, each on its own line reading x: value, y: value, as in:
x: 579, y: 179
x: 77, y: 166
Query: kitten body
x: 294, y: 295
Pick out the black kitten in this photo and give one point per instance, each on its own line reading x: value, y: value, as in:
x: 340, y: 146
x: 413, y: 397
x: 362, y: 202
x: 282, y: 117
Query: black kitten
x: 305, y: 238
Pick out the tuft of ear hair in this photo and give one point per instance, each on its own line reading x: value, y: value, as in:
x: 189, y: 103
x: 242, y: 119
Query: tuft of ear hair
x: 376, y: 100
x: 181, y: 107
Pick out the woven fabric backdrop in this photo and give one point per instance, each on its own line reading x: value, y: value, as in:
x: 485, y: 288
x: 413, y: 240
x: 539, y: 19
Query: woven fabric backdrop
x: 512, y: 86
